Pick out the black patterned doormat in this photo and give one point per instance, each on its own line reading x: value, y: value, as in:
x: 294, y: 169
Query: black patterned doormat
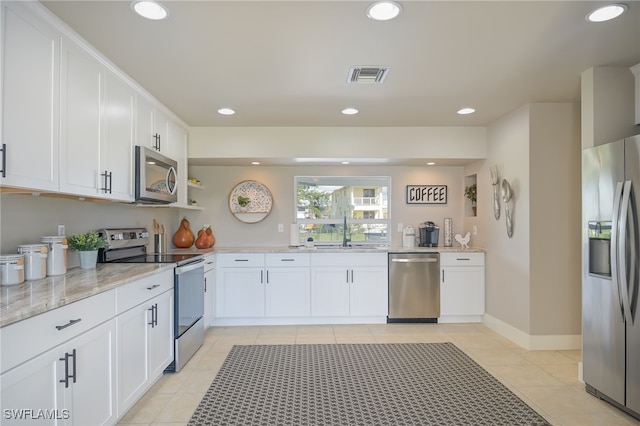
x: 358, y: 384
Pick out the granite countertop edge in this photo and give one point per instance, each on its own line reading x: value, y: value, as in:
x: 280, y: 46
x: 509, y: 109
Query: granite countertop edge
x: 22, y: 301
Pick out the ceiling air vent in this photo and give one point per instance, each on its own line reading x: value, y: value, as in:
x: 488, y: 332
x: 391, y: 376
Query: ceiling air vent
x: 367, y: 74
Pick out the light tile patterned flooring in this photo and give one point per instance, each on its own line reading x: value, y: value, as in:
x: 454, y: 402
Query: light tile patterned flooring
x: 546, y: 380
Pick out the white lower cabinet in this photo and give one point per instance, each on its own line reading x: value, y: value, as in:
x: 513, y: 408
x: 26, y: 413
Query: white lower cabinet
x: 209, y: 288
x: 300, y: 288
x: 71, y: 384
x: 288, y: 285
x: 145, y: 336
x: 256, y: 285
x: 349, y: 284
x: 88, y: 362
x: 462, y: 287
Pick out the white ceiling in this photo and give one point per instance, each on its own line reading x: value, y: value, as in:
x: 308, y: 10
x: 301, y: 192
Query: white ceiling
x: 285, y: 63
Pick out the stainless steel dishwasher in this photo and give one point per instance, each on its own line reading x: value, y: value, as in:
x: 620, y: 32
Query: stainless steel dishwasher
x: 414, y: 287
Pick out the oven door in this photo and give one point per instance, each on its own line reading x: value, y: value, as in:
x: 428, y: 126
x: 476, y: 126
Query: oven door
x: 189, y: 296
x: 156, y: 177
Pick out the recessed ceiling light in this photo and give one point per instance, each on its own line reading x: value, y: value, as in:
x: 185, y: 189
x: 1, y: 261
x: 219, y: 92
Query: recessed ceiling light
x: 255, y: 163
x: 465, y: 111
x: 345, y: 162
x: 150, y: 9
x: 226, y: 111
x: 431, y: 163
x: 384, y: 10
x: 606, y: 13
x: 349, y: 111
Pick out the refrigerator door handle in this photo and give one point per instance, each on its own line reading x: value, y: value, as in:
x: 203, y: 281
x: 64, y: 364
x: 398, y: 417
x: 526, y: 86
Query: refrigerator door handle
x: 625, y: 288
x: 615, y: 243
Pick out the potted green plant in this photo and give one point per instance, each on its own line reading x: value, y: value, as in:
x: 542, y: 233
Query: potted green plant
x: 243, y: 202
x: 471, y: 192
x: 87, y: 245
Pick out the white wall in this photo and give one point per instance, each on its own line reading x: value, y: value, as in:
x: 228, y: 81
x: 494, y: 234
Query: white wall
x: 533, y: 278
x: 338, y: 142
x: 218, y: 181
x: 25, y: 219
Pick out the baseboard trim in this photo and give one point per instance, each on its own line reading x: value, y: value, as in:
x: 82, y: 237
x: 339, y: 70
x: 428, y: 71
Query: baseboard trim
x: 529, y: 342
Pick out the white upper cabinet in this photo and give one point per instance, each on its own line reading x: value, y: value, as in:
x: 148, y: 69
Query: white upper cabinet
x: 80, y: 83
x: 116, y: 149
x: 96, y: 128
x: 30, y: 68
x: 70, y: 119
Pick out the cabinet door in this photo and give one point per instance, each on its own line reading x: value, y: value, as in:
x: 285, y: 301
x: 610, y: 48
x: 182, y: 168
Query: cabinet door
x: 33, y: 386
x: 209, y: 286
x: 30, y: 101
x: 132, y: 356
x: 240, y: 292
x: 161, y: 340
x: 288, y: 292
x: 161, y: 131
x: 368, y: 291
x: 116, y: 153
x: 144, y: 123
x: 80, y: 80
x: 462, y: 290
x: 91, y: 398
x: 329, y: 291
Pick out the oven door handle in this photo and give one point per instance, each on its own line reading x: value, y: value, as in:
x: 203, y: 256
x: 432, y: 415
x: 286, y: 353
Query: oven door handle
x: 190, y: 267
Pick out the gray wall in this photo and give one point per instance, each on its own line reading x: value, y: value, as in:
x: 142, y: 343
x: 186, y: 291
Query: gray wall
x: 218, y: 181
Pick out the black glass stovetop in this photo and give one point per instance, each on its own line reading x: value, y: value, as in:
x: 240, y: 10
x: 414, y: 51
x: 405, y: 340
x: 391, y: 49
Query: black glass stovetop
x: 160, y: 258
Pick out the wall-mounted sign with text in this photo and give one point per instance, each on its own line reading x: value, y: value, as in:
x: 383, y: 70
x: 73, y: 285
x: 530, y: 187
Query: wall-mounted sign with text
x: 426, y: 194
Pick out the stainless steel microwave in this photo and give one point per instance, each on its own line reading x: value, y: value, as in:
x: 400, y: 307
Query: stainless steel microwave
x: 156, y: 177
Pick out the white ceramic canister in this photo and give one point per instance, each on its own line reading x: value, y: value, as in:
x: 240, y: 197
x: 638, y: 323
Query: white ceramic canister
x: 11, y: 269
x: 35, y: 260
x: 57, y: 259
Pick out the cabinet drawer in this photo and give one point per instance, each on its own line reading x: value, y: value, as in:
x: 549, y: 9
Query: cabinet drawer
x: 240, y: 260
x: 461, y: 259
x: 26, y: 339
x: 134, y: 293
x: 287, y: 259
x: 349, y: 259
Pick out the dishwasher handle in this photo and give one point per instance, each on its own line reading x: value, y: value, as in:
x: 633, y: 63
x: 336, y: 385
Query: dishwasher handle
x: 416, y: 260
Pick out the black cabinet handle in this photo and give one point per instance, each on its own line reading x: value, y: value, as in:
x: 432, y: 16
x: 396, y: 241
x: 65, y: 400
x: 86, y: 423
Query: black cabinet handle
x: 153, y: 286
x: 107, y: 175
x: 443, y: 275
x: 68, y: 376
x: 205, y: 284
x: 156, y: 145
x: 4, y: 160
x: 154, y: 315
x: 70, y: 323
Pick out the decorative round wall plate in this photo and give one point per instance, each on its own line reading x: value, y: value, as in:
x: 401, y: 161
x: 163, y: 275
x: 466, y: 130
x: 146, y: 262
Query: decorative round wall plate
x: 250, y: 201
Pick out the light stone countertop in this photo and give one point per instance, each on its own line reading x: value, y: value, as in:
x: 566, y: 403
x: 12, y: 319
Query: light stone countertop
x: 22, y: 301
x: 333, y: 249
x: 31, y: 298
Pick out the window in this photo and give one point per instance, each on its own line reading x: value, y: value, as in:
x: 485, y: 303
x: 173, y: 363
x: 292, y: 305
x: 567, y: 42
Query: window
x: 325, y: 203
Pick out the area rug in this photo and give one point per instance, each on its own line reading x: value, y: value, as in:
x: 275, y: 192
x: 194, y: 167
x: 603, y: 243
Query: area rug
x: 358, y: 384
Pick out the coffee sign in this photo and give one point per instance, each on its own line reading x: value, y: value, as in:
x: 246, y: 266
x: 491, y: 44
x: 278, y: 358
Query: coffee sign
x: 426, y: 194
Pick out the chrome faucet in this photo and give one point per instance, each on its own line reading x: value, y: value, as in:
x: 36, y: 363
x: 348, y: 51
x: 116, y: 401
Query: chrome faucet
x: 345, y: 240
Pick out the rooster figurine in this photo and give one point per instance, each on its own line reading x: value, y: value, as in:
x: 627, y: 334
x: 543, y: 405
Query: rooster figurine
x: 464, y: 241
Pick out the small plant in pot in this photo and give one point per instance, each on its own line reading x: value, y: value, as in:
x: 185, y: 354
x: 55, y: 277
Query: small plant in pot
x: 243, y: 202
x: 471, y: 192
x: 87, y: 245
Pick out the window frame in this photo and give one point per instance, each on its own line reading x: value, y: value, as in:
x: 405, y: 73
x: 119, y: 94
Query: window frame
x: 369, y: 182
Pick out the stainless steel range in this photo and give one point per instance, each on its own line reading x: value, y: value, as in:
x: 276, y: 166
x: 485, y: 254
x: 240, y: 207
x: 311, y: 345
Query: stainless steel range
x: 129, y: 245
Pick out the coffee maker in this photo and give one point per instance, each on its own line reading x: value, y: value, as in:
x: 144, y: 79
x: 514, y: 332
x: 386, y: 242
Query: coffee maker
x: 429, y: 234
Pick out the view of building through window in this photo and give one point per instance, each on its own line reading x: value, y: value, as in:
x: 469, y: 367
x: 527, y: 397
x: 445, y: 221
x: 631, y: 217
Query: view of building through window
x: 324, y: 204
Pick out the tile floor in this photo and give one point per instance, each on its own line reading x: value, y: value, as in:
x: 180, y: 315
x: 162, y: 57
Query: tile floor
x: 546, y: 380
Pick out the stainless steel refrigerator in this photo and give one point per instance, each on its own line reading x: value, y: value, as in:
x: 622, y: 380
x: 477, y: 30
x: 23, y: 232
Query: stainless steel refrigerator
x: 610, y: 316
